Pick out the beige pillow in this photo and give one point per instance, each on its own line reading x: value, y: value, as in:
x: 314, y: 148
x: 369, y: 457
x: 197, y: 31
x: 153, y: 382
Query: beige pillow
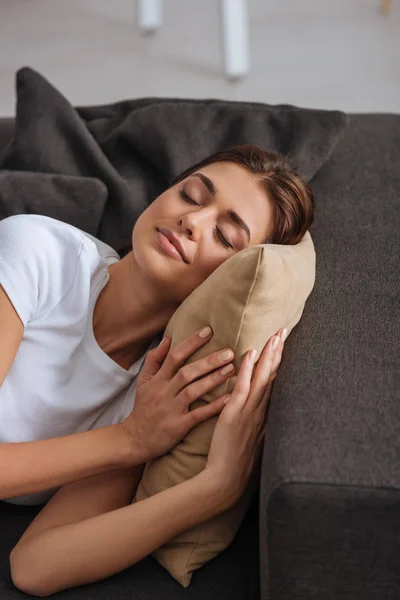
x: 245, y: 301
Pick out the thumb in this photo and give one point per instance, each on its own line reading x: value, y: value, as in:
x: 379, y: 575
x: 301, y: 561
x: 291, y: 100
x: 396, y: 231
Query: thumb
x: 155, y: 359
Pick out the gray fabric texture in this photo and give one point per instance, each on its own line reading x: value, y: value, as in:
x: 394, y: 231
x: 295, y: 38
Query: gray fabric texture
x: 114, y: 160
x: 333, y: 542
x: 7, y: 128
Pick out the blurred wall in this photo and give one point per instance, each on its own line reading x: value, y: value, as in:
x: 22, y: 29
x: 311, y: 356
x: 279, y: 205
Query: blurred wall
x: 318, y: 53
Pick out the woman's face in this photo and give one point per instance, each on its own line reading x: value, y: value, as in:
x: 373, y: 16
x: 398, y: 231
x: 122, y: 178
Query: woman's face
x: 196, y: 211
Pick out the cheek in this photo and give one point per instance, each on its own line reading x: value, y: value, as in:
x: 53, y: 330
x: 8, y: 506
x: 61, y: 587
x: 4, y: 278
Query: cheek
x: 163, y: 202
x: 208, y: 265
x: 147, y: 220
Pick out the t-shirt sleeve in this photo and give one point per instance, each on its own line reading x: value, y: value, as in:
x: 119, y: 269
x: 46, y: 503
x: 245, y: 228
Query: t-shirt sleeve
x: 38, y: 263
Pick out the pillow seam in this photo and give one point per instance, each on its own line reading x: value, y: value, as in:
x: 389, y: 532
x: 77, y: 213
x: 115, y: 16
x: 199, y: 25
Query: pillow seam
x: 248, y: 297
x: 190, y: 556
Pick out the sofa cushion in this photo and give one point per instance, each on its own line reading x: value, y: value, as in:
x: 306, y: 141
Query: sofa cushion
x: 7, y: 128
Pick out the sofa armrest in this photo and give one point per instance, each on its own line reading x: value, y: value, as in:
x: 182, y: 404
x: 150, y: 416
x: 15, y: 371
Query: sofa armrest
x: 330, y: 489
x: 330, y: 482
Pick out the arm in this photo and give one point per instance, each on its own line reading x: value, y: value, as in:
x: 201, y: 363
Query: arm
x: 85, y: 522
x: 28, y: 467
x: 11, y: 332
x: 55, y: 461
x: 149, y: 430
x: 88, y: 522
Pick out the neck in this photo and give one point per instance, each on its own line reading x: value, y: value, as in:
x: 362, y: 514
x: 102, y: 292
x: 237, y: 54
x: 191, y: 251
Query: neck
x: 129, y: 312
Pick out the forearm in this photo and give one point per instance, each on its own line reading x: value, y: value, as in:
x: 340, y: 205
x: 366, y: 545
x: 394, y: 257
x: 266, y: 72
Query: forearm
x: 29, y: 467
x: 106, y: 544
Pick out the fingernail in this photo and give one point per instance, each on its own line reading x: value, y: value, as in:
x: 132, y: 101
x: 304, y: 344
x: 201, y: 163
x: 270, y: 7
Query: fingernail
x: 226, y: 355
x: 162, y: 341
x: 227, y: 369
x: 205, y: 332
x: 226, y: 399
x: 253, y: 354
x: 275, y: 342
x: 283, y: 335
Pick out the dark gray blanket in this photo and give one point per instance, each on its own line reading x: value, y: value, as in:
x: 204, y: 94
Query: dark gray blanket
x: 99, y: 167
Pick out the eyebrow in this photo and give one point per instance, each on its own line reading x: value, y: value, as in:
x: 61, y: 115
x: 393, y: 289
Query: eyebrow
x: 231, y: 213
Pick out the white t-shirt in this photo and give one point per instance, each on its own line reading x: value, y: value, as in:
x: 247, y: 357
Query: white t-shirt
x: 61, y: 381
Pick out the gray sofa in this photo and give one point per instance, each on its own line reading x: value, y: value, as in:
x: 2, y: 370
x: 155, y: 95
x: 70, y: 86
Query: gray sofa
x: 326, y: 522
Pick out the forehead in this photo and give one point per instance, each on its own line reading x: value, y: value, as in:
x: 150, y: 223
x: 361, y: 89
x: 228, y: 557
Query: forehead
x: 239, y: 190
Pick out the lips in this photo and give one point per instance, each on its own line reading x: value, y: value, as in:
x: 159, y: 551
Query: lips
x: 172, y: 238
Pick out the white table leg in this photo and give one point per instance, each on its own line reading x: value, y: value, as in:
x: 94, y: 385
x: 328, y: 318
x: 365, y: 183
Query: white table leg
x: 235, y: 37
x: 149, y: 14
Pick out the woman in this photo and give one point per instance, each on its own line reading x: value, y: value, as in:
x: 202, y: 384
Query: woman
x: 77, y: 323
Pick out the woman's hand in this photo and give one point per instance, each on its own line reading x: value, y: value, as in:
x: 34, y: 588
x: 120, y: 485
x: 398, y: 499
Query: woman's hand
x: 165, y: 389
x: 240, y: 428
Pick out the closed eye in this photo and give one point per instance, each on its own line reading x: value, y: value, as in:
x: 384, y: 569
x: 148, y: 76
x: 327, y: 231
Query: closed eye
x: 218, y: 233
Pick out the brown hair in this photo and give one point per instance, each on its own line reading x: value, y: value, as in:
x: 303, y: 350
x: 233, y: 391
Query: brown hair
x: 293, y: 198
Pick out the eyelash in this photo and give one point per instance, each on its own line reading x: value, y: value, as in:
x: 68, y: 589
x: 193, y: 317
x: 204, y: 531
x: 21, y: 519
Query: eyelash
x: 219, y: 235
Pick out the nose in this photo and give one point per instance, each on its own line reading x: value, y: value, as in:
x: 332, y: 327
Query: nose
x: 197, y: 221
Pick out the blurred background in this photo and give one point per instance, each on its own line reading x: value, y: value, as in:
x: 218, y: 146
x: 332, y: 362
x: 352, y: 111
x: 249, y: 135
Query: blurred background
x: 332, y: 54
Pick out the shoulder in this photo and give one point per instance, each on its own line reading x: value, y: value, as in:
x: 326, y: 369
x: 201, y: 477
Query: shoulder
x: 39, y: 245
x: 41, y: 236
x: 42, y: 256
x: 38, y: 233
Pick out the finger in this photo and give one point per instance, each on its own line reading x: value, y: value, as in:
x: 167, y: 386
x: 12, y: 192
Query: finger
x: 276, y: 360
x: 278, y: 353
x: 154, y: 360
x: 189, y: 374
x: 259, y: 445
x: 198, y: 415
x: 198, y: 388
x: 281, y: 334
x: 261, y: 435
x: 177, y: 357
x: 262, y: 374
x: 242, y: 386
x: 267, y: 370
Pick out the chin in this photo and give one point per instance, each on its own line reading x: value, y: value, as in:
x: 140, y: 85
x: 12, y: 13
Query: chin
x: 152, y: 263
